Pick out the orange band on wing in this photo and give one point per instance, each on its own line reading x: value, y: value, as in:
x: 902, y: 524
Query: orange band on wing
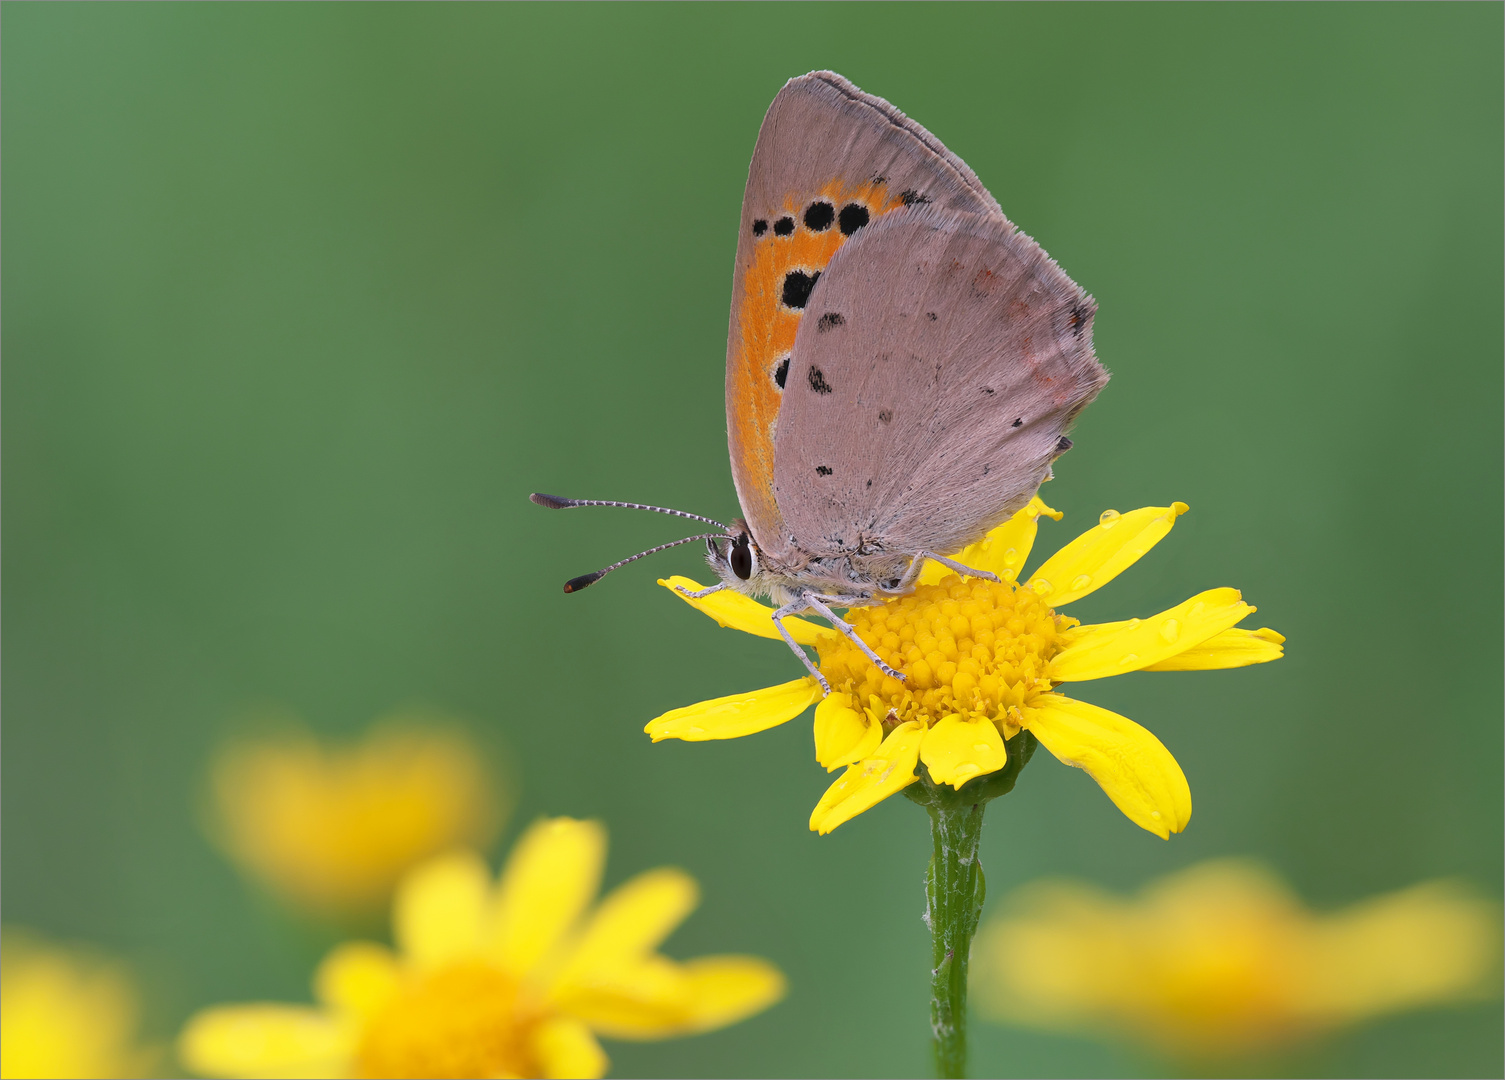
x: 784, y: 268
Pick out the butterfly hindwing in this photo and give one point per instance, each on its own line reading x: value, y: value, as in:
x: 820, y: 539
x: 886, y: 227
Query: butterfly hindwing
x: 829, y: 163
x: 942, y: 357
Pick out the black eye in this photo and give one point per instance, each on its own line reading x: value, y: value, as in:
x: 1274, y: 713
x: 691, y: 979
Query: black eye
x: 742, y: 559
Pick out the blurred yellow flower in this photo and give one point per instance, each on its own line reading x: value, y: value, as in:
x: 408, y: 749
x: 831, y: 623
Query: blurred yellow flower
x: 489, y: 980
x: 64, y: 1012
x: 1222, y: 959
x: 332, y: 827
x: 982, y: 661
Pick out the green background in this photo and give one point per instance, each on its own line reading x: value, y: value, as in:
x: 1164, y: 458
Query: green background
x: 300, y: 302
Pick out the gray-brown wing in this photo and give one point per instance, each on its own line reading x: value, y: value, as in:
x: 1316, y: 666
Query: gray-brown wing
x: 830, y: 161
x: 942, y: 358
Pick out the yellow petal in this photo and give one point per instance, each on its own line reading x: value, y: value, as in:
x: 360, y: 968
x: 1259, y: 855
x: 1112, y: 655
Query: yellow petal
x: 644, y: 1000
x: 659, y: 999
x: 955, y: 750
x: 736, y: 715
x: 727, y: 989
x: 440, y: 908
x: 730, y: 608
x: 1103, y: 552
x: 357, y: 978
x: 633, y: 919
x: 550, y: 877
x: 1431, y: 943
x: 843, y: 734
x: 1230, y: 649
x: 1131, y: 766
x: 265, y: 1040
x: 870, y: 781
x: 566, y: 1049
x: 1138, y: 643
x: 1003, y: 551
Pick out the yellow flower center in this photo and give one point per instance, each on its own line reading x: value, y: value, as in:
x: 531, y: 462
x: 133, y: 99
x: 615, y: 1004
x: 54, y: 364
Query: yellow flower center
x: 462, y: 1021
x: 972, y: 648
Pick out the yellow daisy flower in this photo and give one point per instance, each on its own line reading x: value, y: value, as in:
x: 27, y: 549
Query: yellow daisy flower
x: 1222, y: 960
x: 984, y: 661
x: 510, y: 979
x: 330, y: 827
x: 65, y: 1012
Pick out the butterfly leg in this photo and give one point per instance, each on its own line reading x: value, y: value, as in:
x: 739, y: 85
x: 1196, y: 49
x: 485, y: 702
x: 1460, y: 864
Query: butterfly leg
x: 778, y: 620
x: 913, y: 573
x: 816, y: 604
x: 701, y: 594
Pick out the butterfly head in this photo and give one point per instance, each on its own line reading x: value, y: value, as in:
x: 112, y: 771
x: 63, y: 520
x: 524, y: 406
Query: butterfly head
x: 734, y: 556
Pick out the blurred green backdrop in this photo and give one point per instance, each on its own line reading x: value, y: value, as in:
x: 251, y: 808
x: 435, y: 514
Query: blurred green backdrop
x: 300, y: 302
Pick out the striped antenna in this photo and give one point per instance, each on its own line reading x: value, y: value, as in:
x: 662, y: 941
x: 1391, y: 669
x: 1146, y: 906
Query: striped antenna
x: 577, y: 583
x: 554, y: 502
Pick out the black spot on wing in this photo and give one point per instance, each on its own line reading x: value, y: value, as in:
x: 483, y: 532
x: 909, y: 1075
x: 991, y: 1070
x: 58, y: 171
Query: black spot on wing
x: 797, y: 286
x: 1081, y: 312
x: 760, y: 227
x: 853, y: 217
x: 819, y: 215
x: 784, y: 226
x: 987, y: 390
x: 823, y: 470
x: 885, y: 415
x: 1017, y: 423
x: 818, y: 381
x: 781, y: 373
x: 930, y: 315
x: 911, y: 197
x: 829, y: 320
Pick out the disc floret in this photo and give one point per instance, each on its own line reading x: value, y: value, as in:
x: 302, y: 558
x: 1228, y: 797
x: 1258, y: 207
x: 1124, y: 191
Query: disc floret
x: 974, y: 649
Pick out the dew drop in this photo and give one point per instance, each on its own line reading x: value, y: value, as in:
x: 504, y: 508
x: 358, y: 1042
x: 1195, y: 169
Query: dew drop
x: 1081, y: 582
x: 1041, y: 586
x: 1170, y: 630
x: 1129, y: 658
x: 1108, y: 518
x: 1155, y: 814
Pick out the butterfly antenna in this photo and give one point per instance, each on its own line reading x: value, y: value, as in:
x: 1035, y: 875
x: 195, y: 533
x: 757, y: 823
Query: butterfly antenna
x: 554, y: 502
x: 577, y: 583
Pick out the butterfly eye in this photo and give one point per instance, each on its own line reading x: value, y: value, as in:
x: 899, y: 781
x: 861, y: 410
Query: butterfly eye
x: 742, y: 558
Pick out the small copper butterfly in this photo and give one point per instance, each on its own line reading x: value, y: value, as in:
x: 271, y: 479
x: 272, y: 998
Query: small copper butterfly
x: 901, y: 367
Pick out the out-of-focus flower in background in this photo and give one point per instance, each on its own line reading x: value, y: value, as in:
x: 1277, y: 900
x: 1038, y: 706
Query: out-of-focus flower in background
x: 331, y: 827
x: 513, y: 978
x: 982, y: 661
x: 1222, y: 959
x: 66, y: 1012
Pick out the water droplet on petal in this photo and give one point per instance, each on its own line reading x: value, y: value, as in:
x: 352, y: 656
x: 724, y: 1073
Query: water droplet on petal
x: 1129, y: 658
x: 1170, y: 630
x: 1108, y: 518
x: 1155, y: 814
x: 1081, y: 582
x: 1041, y: 586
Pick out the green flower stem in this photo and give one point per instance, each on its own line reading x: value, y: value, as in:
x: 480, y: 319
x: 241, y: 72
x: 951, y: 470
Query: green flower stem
x: 954, y: 892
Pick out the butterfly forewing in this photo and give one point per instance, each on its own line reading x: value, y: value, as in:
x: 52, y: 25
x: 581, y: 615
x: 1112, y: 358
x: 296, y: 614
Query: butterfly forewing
x: 830, y: 162
x: 941, y: 358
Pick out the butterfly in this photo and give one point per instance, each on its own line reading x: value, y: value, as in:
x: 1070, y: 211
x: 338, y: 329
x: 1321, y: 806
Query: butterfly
x: 902, y: 363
